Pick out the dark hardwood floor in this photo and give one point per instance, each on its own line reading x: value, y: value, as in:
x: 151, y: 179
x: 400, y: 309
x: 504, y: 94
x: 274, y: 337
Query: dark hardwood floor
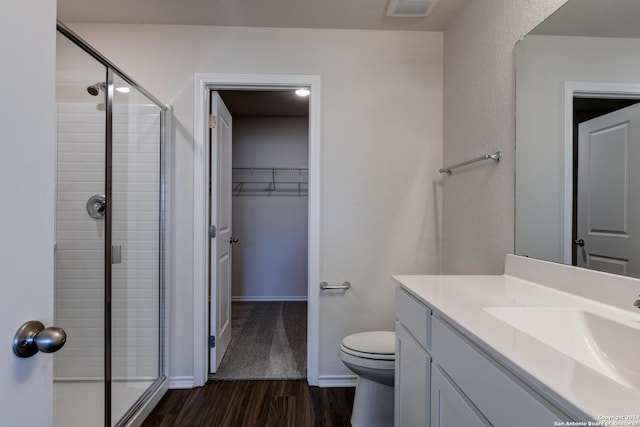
x: 254, y: 403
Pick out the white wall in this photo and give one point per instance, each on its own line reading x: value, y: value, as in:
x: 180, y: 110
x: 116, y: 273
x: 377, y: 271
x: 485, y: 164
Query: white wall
x: 380, y: 151
x: 270, y: 260
x: 479, y: 117
x: 545, y: 63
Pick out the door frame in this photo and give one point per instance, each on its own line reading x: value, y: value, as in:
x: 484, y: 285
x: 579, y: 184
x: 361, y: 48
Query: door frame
x: 203, y: 84
x: 582, y: 90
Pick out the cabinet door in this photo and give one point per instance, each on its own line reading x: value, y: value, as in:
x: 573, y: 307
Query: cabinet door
x: 449, y: 407
x: 412, y: 383
x: 497, y: 395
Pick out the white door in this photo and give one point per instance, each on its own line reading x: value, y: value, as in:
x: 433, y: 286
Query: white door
x: 27, y: 123
x: 608, y: 216
x: 220, y: 218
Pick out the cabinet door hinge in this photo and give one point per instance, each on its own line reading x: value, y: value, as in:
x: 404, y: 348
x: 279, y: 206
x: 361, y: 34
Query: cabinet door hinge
x: 213, y: 121
x: 212, y: 341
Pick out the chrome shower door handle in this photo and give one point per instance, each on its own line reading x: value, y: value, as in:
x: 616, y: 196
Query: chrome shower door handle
x: 116, y: 254
x: 32, y: 337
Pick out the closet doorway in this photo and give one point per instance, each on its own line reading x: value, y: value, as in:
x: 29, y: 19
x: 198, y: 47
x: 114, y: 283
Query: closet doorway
x: 266, y: 303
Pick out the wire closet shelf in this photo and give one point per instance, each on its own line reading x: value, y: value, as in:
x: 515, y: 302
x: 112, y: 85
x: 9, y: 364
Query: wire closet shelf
x: 253, y: 181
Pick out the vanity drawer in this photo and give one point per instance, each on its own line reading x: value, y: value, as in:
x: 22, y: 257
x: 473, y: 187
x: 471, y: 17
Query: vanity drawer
x: 415, y: 316
x: 501, y: 398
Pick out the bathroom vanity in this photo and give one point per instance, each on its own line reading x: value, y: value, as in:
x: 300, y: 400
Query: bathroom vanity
x: 542, y: 345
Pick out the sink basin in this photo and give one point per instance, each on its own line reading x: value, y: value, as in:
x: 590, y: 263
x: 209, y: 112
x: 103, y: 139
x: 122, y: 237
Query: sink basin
x: 611, y: 347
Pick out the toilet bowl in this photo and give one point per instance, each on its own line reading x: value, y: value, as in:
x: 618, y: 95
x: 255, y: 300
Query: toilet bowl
x: 371, y: 356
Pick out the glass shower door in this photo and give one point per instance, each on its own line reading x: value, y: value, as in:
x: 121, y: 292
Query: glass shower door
x: 136, y: 253
x: 79, y: 367
x: 108, y: 249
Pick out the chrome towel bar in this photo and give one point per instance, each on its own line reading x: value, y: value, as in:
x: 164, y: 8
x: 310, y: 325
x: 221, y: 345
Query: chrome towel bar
x: 495, y: 156
x: 324, y: 286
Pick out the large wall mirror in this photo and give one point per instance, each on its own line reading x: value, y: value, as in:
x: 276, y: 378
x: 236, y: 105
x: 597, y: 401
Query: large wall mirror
x: 578, y: 137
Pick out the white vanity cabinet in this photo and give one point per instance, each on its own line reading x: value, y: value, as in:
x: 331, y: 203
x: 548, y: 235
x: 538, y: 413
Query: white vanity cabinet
x: 444, y: 380
x: 413, y: 362
x: 541, y: 345
x: 413, y: 372
x: 449, y: 406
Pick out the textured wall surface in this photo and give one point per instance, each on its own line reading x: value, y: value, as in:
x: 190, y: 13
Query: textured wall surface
x: 479, y: 117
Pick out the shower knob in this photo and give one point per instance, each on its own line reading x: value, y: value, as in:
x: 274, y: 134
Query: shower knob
x: 97, y: 206
x: 32, y: 337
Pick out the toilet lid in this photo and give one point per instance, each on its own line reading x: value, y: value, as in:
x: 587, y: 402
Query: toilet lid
x: 375, y: 342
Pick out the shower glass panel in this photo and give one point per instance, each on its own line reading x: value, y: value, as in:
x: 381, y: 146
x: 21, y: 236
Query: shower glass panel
x: 109, y: 247
x: 79, y: 367
x: 136, y: 242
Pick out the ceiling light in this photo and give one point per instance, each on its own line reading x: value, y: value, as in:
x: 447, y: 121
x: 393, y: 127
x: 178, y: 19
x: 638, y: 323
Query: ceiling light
x: 123, y: 89
x: 303, y: 92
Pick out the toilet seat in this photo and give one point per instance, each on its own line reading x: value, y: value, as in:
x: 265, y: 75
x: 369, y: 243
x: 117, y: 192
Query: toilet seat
x: 376, y: 345
x: 371, y: 356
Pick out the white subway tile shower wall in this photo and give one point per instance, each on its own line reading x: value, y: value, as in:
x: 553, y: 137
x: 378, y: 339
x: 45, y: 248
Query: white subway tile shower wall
x: 136, y: 226
x: 79, y: 303
x: 79, y: 254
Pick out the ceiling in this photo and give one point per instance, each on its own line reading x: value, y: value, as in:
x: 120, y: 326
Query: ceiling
x: 335, y: 14
x: 329, y: 14
x: 281, y: 103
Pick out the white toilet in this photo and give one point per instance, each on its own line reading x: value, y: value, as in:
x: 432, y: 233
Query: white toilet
x: 371, y: 355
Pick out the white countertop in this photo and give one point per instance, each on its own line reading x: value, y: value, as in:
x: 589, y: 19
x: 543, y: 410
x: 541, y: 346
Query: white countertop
x: 578, y: 390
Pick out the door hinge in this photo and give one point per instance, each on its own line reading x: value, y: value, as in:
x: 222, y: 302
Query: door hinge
x: 213, y: 121
x: 212, y: 231
x: 212, y: 341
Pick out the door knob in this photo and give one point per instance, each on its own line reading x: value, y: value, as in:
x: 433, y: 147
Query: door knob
x: 233, y: 240
x: 32, y: 337
x: 579, y: 242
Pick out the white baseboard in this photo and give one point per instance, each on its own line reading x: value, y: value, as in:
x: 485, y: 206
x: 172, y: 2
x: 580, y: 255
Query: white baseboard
x: 181, y: 382
x: 270, y: 298
x: 326, y: 381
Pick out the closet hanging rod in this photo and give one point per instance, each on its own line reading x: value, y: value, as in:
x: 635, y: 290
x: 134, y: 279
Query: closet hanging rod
x: 495, y: 156
x: 270, y: 174
x: 287, y: 169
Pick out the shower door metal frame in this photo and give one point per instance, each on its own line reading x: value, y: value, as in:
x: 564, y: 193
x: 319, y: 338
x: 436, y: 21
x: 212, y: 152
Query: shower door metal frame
x: 161, y: 380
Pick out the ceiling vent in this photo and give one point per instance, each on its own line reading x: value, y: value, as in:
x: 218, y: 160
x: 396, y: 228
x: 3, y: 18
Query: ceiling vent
x: 410, y: 8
